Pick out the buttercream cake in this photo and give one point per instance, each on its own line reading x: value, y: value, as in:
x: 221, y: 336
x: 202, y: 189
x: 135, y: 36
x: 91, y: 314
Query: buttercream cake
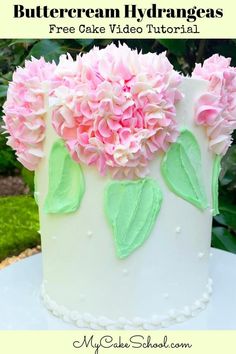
x: 126, y: 154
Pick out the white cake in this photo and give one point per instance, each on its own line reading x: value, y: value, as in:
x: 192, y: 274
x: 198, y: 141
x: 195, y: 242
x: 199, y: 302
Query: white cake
x: 96, y: 275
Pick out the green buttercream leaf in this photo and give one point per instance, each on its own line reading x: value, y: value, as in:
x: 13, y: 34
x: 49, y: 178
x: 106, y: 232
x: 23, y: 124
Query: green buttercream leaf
x: 131, y: 208
x: 181, y: 168
x: 215, y: 184
x: 66, y: 181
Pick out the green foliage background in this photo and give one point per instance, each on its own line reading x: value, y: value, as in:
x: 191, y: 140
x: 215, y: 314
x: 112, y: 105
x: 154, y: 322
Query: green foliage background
x: 19, y: 225
x: 182, y: 53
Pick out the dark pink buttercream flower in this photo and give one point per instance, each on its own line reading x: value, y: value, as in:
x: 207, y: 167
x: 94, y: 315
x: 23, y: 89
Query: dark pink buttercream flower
x: 115, y: 108
x: 216, y: 109
x: 25, y: 109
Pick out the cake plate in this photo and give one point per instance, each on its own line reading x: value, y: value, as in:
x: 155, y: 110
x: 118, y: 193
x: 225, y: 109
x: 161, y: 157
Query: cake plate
x: 21, y: 306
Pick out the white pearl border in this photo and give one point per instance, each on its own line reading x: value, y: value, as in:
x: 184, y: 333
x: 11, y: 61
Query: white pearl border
x: 155, y: 322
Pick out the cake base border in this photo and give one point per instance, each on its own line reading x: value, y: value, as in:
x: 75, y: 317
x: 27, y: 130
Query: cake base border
x: 87, y: 321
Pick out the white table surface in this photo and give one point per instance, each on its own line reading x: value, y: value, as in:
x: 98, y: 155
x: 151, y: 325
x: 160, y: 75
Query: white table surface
x: 21, y: 307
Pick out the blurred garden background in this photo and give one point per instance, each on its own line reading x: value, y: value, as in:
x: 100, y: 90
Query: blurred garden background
x: 19, y: 226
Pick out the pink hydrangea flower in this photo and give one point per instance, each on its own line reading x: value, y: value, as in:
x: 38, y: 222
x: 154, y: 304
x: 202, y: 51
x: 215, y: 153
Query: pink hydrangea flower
x: 216, y: 109
x: 25, y: 109
x: 115, y: 108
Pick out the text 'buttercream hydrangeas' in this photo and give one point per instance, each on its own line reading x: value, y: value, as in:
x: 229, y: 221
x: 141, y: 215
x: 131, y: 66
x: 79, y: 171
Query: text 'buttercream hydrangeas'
x: 115, y: 108
x: 25, y: 108
x: 216, y: 109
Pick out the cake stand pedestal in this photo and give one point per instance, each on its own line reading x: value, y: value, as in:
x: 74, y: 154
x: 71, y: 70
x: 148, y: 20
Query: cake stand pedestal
x: 21, y: 307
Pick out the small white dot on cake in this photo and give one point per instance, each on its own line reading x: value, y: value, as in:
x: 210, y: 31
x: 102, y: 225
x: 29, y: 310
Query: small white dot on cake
x: 54, y: 237
x: 211, y: 254
x: 212, y: 211
x: 178, y: 229
x: 166, y: 295
x: 82, y: 297
x: 89, y: 233
x: 201, y: 254
x: 172, y: 313
x: 125, y: 272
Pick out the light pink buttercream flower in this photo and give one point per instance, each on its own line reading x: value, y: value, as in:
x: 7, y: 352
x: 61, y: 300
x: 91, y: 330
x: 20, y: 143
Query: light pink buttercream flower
x: 115, y: 108
x: 216, y: 109
x: 25, y: 108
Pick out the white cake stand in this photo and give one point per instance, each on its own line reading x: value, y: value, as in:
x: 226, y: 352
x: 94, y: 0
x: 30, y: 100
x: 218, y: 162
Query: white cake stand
x: 21, y: 307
